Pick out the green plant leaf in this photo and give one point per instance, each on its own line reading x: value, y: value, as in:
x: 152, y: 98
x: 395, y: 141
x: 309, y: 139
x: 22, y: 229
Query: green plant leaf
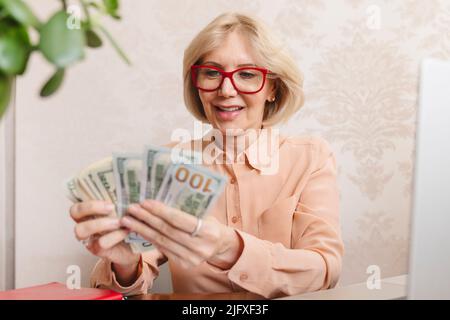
x: 115, y: 44
x: 115, y: 16
x: 93, y: 5
x: 5, y: 92
x: 53, y: 84
x: 104, y: 9
x: 111, y: 5
x: 93, y: 40
x: 15, y: 49
x: 60, y: 44
x: 20, y: 11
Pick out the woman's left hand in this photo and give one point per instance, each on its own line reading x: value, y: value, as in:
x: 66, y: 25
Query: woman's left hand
x: 170, y: 230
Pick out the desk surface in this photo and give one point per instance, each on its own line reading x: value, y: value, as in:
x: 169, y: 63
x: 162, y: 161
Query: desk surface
x: 198, y: 296
x: 390, y: 288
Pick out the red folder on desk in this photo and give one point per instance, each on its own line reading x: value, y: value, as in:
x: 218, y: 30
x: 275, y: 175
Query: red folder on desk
x: 59, y: 291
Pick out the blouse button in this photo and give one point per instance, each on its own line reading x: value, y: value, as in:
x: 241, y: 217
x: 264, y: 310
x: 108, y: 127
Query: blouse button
x: 233, y: 180
x: 234, y: 219
x: 243, y: 276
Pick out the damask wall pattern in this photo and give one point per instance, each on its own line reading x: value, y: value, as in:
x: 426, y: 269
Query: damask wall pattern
x: 360, y: 61
x: 362, y: 76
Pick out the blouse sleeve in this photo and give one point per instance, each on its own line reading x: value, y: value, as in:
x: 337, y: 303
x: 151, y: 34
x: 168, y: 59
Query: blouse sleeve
x: 103, y: 276
x: 314, y: 260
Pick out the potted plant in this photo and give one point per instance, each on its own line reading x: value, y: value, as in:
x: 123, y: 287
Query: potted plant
x: 63, y: 39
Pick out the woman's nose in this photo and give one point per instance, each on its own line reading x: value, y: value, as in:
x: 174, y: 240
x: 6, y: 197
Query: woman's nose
x: 227, y: 89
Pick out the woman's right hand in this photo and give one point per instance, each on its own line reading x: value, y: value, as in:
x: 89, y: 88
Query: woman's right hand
x: 96, y: 222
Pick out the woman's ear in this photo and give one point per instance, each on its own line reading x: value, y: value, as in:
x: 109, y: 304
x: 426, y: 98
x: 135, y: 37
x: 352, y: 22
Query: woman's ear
x: 273, y: 91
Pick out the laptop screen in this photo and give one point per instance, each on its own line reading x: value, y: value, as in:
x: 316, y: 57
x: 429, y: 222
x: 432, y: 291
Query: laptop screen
x: 429, y: 273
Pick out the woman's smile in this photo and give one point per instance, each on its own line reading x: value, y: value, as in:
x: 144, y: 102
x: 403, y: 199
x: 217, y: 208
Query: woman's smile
x: 228, y: 112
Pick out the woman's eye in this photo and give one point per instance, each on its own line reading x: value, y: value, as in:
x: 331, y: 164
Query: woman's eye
x: 212, y: 73
x: 246, y: 75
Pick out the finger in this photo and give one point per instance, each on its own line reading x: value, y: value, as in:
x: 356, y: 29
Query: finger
x: 200, y: 244
x: 85, y: 209
x: 175, y: 259
x: 161, y: 240
x: 159, y: 224
x: 88, y: 228
x: 195, y: 244
x: 175, y: 217
x: 110, y: 239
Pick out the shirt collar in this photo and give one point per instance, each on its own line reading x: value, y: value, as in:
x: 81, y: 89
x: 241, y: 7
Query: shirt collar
x: 259, y: 147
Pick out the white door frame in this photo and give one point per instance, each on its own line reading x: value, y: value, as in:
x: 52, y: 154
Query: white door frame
x: 7, y: 194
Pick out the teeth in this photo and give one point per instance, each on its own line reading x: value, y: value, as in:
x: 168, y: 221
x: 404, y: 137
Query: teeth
x: 230, y: 109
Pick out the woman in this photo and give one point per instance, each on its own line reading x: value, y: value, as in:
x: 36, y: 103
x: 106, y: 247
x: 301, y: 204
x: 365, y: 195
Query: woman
x: 274, y: 231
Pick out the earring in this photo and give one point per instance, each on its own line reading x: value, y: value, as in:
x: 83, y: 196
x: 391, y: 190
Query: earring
x: 272, y: 99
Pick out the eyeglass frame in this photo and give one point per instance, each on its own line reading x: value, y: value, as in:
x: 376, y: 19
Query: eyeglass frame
x: 229, y: 75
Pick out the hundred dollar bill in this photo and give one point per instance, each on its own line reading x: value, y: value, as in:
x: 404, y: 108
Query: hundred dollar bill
x: 74, y: 191
x: 159, y: 169
x: 87, y: 181
x: 127, y: 172
x: 97, y: 181
x: 87, y: 185
x: 120, y: 178
x: 101, y: 172
x: 133, y: 168
x: 156, y: 162
x: 92, y: 183
x: 192, y: 189
x: 133, y: 174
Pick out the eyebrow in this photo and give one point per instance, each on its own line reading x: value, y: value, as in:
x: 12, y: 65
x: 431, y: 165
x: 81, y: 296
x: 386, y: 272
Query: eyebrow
x: 239, y: 65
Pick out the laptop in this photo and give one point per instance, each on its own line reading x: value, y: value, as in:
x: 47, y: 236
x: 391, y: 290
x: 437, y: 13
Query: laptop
x: 429, y: 262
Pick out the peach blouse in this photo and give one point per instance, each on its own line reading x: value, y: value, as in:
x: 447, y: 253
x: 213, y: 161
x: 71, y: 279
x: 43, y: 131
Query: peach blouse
x: 287, y: 215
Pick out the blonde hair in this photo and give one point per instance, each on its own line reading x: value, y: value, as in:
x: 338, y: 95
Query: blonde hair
x: 289, y: 96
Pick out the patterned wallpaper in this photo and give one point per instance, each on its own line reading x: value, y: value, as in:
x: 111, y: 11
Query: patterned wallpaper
x: 360, y: 60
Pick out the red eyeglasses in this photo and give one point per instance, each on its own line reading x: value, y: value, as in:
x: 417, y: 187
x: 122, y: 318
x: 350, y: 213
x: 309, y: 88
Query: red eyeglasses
x: 246, y: 80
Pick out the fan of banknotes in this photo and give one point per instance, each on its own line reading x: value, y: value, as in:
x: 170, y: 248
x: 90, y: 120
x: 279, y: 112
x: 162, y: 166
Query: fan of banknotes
x: 172, y: 176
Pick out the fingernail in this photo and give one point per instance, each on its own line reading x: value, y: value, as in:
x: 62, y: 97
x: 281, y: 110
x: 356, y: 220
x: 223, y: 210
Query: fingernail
x: 109, y: 207
x: 115, y: 223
